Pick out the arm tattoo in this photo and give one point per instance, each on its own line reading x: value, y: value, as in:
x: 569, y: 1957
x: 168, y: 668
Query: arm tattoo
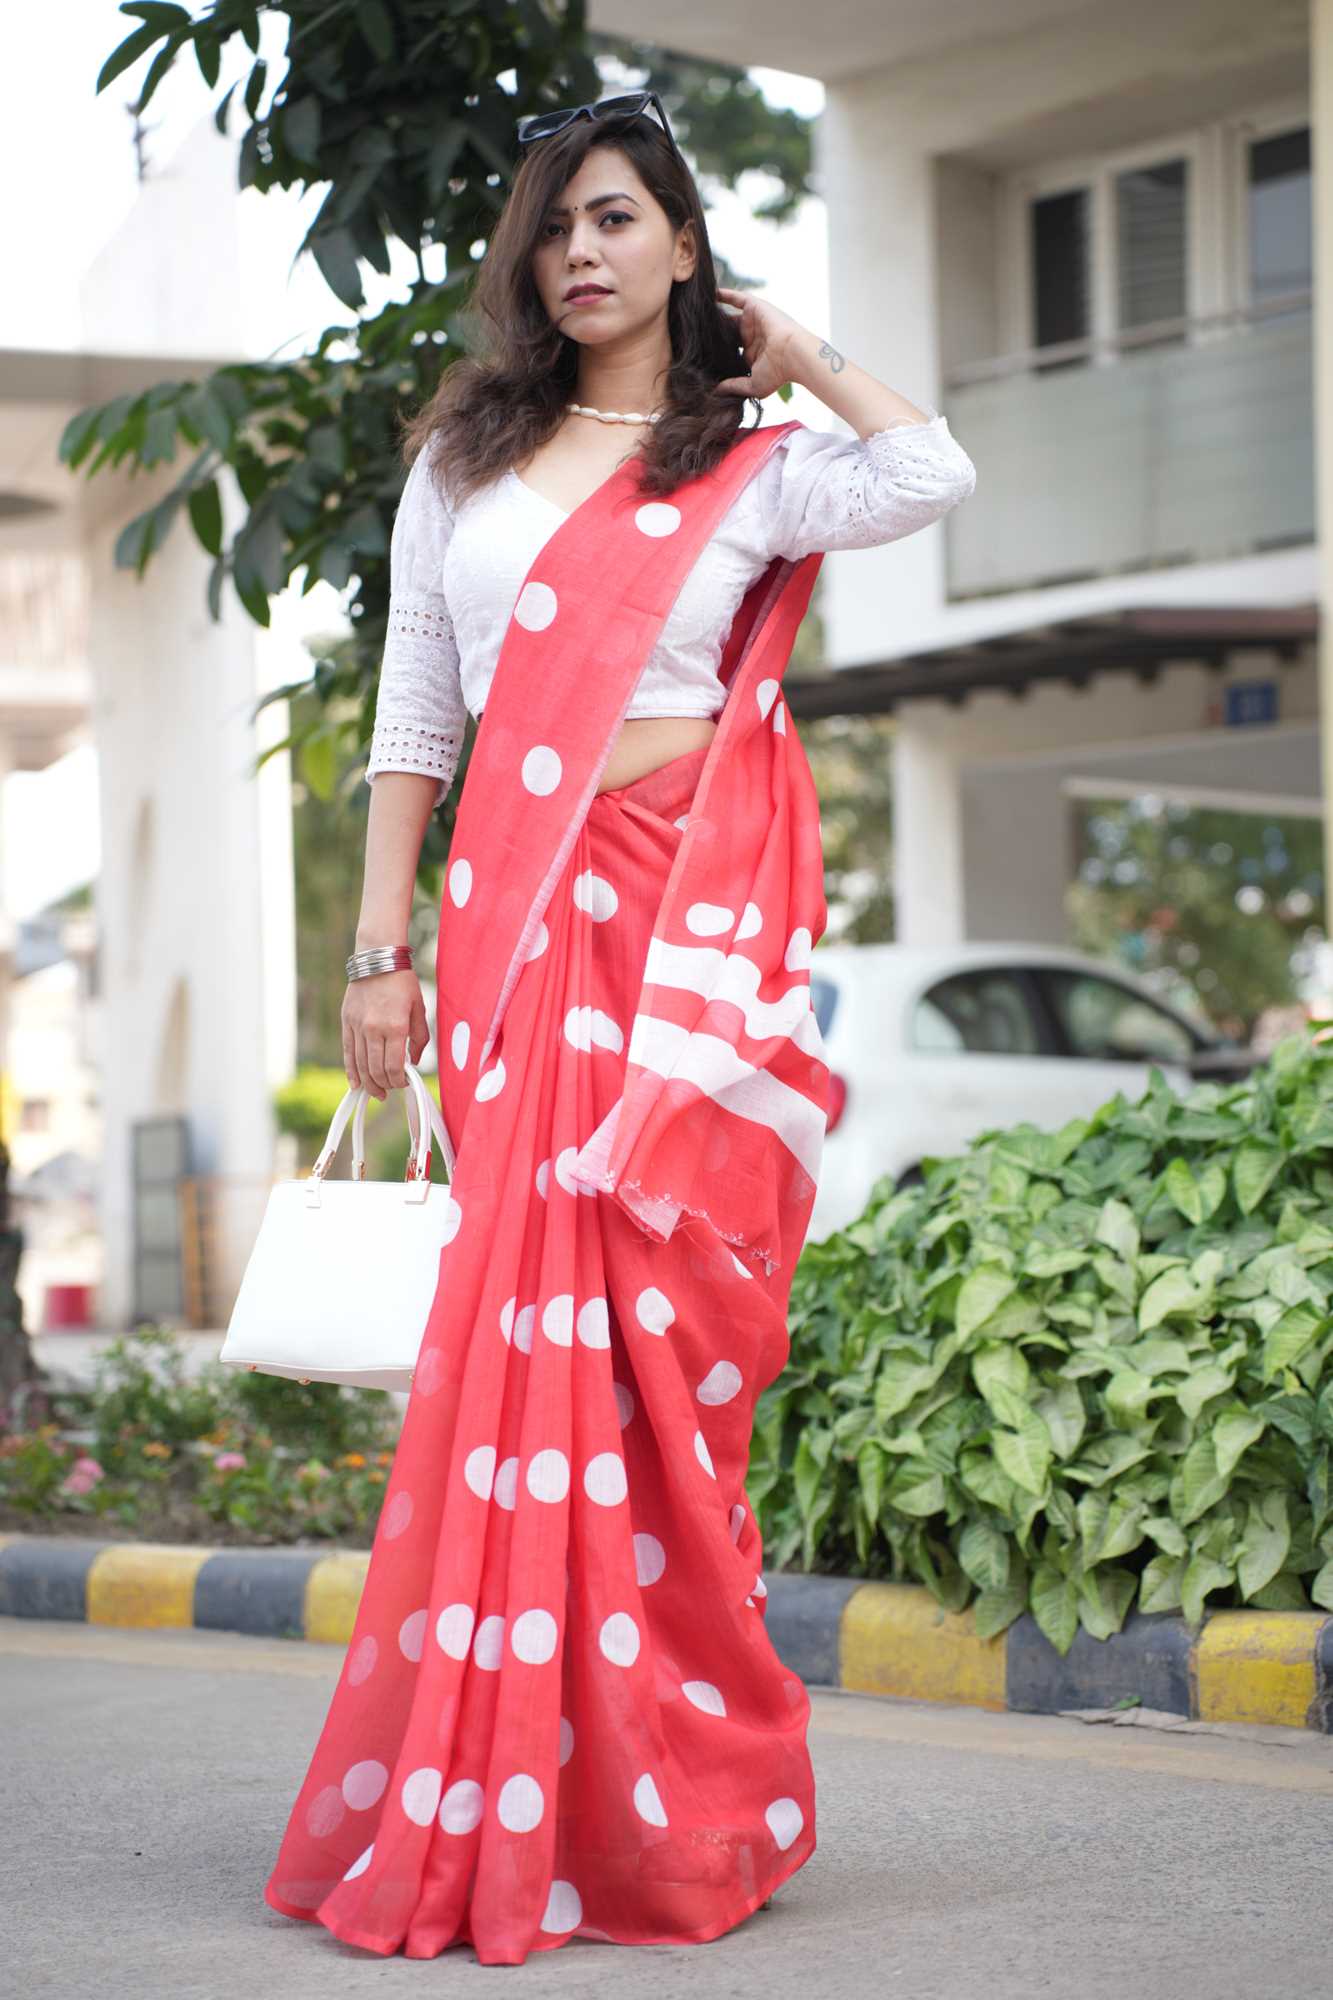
x: 829, y: 352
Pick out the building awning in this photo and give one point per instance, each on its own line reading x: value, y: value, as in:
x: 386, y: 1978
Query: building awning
x: 1141, y: 642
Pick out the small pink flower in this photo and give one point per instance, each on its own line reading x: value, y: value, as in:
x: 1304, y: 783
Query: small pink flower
x: 229, y: 1461
x: 82, y: 1476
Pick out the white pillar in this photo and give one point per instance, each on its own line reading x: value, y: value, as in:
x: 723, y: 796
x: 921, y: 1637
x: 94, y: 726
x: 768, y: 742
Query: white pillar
x: 876, y: 176
x: 927, y: 841
x: 1321, y: 132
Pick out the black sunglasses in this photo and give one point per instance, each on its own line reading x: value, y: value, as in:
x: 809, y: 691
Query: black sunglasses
x: 542, y: 124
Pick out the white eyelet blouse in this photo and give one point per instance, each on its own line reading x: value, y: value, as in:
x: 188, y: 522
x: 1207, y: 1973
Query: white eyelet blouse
x: 455, y: 575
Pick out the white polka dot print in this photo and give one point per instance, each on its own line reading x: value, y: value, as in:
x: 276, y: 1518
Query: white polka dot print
x: 647, y: 1802
x: 796, y: 958
x: 720, y: 1384
x: 654, y: 1310
x: 548, y: 1475
x: 619, y: 1639
x: 785, y: 1820
x: 703, y: 1695
x: 737, y: 1521
x: 451, y: 1217
x: 421, y: 1795
x: 780, y: 718
x: 587, y: 1028
x: 488, y: 1646
x: 541, y: 937
x: 326, y: 1812
x: 362, y: 1660
x: 558, y: 1319
x: 536, y: 606
x: 564, y: 1162
x: 460, y: 881
x: 744, y: 1269
x: 453, y: 1630
x: 360, y: 1865
x: 564, y: 1908
x: 702, y: 1454
x: 364, y: 1783
x: 594, y: 1324
x: 760, y: 1587
x: 594, y: 895
x: 604, y: 1479
x: 520, y: 1804
x: 524, y: 1322
x: 460, y: 1808
x: 397, y: 1517
x: 543, y: 1179
x: 566, y: 1739
x: 751, y: 923
x: 507, y: 1318
x: 505, y: 1491
x: 533, y: 1637
x: 766, y: 694
x: 649, y: 1558
x: 542, y: 770
x: 491, y: 1083
x: 657, y: 517
x: 479, y: 1470
x: 458, y: 1044
x: 624, y: 1402
x: 709, y: 919
x: 412, y: 1634
x: 682, y: 822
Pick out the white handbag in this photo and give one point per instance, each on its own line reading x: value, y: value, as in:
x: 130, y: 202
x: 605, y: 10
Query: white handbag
x: 342, y: 1276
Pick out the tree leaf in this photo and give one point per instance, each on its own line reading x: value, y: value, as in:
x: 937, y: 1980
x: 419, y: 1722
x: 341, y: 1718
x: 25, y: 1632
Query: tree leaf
x: 1173, y: 1292
x: 983, y: 1553
x: 205, y: 505
x: 1117, y: 1228
x: 1253, y: 1172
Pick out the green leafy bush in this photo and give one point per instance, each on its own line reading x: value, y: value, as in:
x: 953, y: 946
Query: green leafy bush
x: 1080, y: 1371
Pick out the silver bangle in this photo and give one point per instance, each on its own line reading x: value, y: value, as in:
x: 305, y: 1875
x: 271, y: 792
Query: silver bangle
x: 380, y: 958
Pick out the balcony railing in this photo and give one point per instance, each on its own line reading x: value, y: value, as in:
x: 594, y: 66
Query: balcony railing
x: 1185, y: 441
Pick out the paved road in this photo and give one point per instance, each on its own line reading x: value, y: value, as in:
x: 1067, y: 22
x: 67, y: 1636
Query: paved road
x: 962, y: 1855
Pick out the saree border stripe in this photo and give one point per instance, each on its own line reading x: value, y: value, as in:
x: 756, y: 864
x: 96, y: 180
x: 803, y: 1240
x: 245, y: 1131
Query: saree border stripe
x: 869, y: 1637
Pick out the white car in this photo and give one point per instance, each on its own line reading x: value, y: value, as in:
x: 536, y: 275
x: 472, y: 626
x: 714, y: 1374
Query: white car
x: 928, y: 1047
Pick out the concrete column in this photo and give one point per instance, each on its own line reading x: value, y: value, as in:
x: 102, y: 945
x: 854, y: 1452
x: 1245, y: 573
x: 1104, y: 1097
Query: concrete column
x: 1321, y: 132
x: 927, y: 841
x: 1018, y: 856
x: 876, y: 177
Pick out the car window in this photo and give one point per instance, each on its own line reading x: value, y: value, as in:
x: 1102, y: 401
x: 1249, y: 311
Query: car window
x: 824, y: 1000
x: 1106, y: 1021
x: 976, y: 1013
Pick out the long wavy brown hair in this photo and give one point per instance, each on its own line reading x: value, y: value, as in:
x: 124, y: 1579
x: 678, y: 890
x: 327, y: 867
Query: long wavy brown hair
x: 506, y: 396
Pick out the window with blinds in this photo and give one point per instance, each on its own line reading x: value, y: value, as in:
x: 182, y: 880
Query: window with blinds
x: 1151, y: 244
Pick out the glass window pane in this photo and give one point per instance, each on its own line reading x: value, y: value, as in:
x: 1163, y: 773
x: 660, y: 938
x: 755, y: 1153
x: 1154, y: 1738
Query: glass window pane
x: 824, y: 1000
x: 1281, y: 258
x: 979, y: 1013
x: 1108, y: 1023
x: 1150, y: 243
x: 1061, y: 292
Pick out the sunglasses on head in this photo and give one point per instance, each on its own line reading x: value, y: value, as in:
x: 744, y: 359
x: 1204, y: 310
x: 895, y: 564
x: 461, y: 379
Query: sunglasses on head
x: 542, y: 124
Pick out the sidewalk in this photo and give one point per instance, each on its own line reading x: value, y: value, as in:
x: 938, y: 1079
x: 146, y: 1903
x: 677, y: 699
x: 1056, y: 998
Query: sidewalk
x: 1273, y: 1667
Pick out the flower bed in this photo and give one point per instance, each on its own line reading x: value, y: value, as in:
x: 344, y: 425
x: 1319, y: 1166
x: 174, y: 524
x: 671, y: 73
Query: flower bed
x: 153, y: 1453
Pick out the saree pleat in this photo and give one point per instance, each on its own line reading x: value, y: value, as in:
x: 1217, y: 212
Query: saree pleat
x: 560, y: 1713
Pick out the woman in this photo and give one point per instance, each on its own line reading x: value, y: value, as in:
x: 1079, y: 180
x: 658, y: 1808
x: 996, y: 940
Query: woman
x: 560, y: 1712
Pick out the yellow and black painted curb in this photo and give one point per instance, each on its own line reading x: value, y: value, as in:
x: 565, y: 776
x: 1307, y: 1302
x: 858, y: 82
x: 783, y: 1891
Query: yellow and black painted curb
x: 870, y: 1638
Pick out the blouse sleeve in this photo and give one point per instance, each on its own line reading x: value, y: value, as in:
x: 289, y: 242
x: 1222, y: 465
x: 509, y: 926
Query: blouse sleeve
x: 821, y: 490
x: 420, y: 713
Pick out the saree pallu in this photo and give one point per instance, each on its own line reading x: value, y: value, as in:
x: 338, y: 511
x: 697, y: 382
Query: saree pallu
x: 560, y: 1713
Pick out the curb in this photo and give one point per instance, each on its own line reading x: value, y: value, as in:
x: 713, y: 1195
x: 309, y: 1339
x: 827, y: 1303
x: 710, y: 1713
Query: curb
x: 868, y: 1638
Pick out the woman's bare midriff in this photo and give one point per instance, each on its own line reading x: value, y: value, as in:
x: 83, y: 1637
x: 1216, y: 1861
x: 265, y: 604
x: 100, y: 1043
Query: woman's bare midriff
x: 650, y: 741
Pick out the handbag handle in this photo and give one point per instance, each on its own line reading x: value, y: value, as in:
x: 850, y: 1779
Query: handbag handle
x: 420, y: 1127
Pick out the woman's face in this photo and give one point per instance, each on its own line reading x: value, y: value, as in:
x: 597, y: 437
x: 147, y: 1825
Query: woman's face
x: 625, y: 246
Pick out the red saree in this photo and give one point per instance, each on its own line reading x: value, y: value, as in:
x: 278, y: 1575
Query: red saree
x: 560, y: 1713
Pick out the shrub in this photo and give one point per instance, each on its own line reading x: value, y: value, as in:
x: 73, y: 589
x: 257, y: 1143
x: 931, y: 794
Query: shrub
x: 1077, y: 1371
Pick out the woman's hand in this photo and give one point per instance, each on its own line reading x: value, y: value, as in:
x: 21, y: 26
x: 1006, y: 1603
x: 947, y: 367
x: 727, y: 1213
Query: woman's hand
x: 383, y: 1019
x: 764, y: 332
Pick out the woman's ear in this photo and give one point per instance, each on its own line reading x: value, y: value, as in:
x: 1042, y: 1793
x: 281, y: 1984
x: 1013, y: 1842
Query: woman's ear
x: 685, y: 251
